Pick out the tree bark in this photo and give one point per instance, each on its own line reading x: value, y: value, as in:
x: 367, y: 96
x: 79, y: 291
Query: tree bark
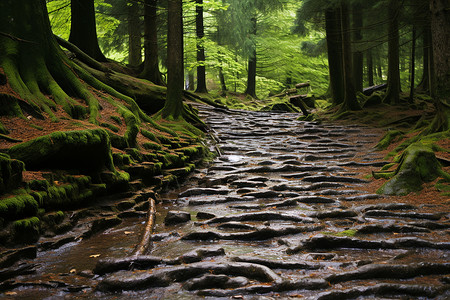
x: 369, y: 60
x: 83, y: 30
x: 424, y: 84
x: 200, y: 30
x: 251, y: 75
x: 175, y: 63
x: 358, y: 57
x: 393, y: 91
x: 151, y: 63
x: 350, y: 101
x: 134, y: 34
x: 334, y: 44
x: 440, y: 24
x: 413, y: 65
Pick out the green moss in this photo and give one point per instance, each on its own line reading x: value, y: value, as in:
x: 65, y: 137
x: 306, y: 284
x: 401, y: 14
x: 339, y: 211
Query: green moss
x: 26, y: 230
x: 135, y: 154
x: 418, y: 164
x: 85, y: 150
x: 39, y: 185
x: 110, y: 127
x: 116, y: 119
x: 36, y: 126
x: 132, y: 123
x: 18, y: 206
x: 349, y: 233
x: 10, y: 173
x: 388, y: 166
x: 152, y: 146
x: 390, y: 137
x: 150, y: 135
x: 121, y: 159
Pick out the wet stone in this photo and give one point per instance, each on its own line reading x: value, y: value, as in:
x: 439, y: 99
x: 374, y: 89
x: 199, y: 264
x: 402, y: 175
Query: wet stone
x: 177, y: 217
x: 202, y: 191
x: 321, y: 256
x: 323, y: 178
x: 205, y: 216
x: 243, y: 183
x: 215, y: 281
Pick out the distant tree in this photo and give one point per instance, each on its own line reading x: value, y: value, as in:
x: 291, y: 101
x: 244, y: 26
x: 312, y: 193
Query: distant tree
x: 83, y: 32
x: 151, y: 63
x: 394, y: 87
x: 200, y: 32
x: 358, y: 57
x: 175, y: 77
x: 134, y: 33
x: 350, y: 102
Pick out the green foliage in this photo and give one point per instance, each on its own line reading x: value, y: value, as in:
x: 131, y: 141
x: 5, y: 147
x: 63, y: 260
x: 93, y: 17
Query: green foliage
x: 18, y: 206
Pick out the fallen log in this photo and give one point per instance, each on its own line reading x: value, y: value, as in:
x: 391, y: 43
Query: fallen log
x: 371, y: 89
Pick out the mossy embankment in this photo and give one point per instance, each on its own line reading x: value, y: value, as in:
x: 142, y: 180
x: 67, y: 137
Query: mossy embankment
x: 52, y: 172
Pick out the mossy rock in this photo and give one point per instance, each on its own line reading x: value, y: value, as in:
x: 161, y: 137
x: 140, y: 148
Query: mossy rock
x: 18, y: 207
x: 283, y: 107
x: 10, y: 173
x: 418, y: 164
x: 374, y: 100
x: 152, y: 146
x: 26, y: 230
x: 84, y: 150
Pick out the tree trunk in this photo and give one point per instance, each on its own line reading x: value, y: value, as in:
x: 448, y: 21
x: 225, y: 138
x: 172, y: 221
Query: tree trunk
x: 334, y: 44
x: 191, y: 80
x: 200, y: 30
x: 134, y: 34
x: 83, y: 30
x: 350, y: 101
x: 424, y: 84
x: 393, y: 91
x: 440, y: 24
x: 369, y: 60
x: 413, y: 65
x: 358, y: 57
x: 223, y: 85
x: 175, y: 75
x: 151, y: 64
x: 251, y: 75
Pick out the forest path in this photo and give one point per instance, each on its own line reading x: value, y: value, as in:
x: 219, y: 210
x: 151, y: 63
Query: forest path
x: 283, y: 212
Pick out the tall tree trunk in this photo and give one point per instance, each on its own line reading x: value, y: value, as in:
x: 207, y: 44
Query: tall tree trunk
x: 413, y: 65
x: 350, y: 101
x: 223, y: 85
x: 175, y: 75
x: 200, y: 30
x: 424, y: 84
x: 83, y: 30
x: 369, y: 60
x: 358, y: 57
x: 334, y: 44
x: 393, y: 89
x: 440, y: 24
x: 251, y: 75
x: 151, y: 64
x: 134, y: 34
x: 191, y: 80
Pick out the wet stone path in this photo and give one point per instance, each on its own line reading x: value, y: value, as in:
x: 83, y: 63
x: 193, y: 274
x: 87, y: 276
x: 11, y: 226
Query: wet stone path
x: 284, y: 213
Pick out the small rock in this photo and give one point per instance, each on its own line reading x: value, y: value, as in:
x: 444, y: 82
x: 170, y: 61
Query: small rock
x: 205, y: 216
x: 177, y: 217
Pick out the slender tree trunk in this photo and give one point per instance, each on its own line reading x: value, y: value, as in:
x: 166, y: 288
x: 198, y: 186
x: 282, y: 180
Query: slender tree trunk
x: 413, y: 65
x: 350, y: 101
x: 201, y: 70
x: 440, y: 24
x: 175, y: 75
x: 380, y: 71
x: 358, y: 57
x: 223, y: 85
x: 369, y: 60
x: 151, y: 64
x: 251, y: 75
x: 424, y: 84
x: 191, y: 80
x: 83, y: 30
x: 134, y: 34
x: 334, y: 44
x: 393, y: 89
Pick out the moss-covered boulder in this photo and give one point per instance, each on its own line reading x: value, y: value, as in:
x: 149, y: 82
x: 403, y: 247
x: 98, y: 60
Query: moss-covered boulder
x: 281, y: 107
x: 417, y: 164
x: 10, y: 173
x: 84, y: 150
x: 18, y: 207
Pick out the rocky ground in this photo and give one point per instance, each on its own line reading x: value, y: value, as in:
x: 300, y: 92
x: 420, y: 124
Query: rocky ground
x: 287, y: 210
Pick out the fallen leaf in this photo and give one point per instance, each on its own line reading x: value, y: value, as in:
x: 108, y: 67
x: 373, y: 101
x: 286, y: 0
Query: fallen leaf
x: 73, y: 271
x: 94, y: 255
x: 129, y: 232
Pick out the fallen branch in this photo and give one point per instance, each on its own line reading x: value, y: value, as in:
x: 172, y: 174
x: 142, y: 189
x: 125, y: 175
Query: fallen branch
x: 144, y: 245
